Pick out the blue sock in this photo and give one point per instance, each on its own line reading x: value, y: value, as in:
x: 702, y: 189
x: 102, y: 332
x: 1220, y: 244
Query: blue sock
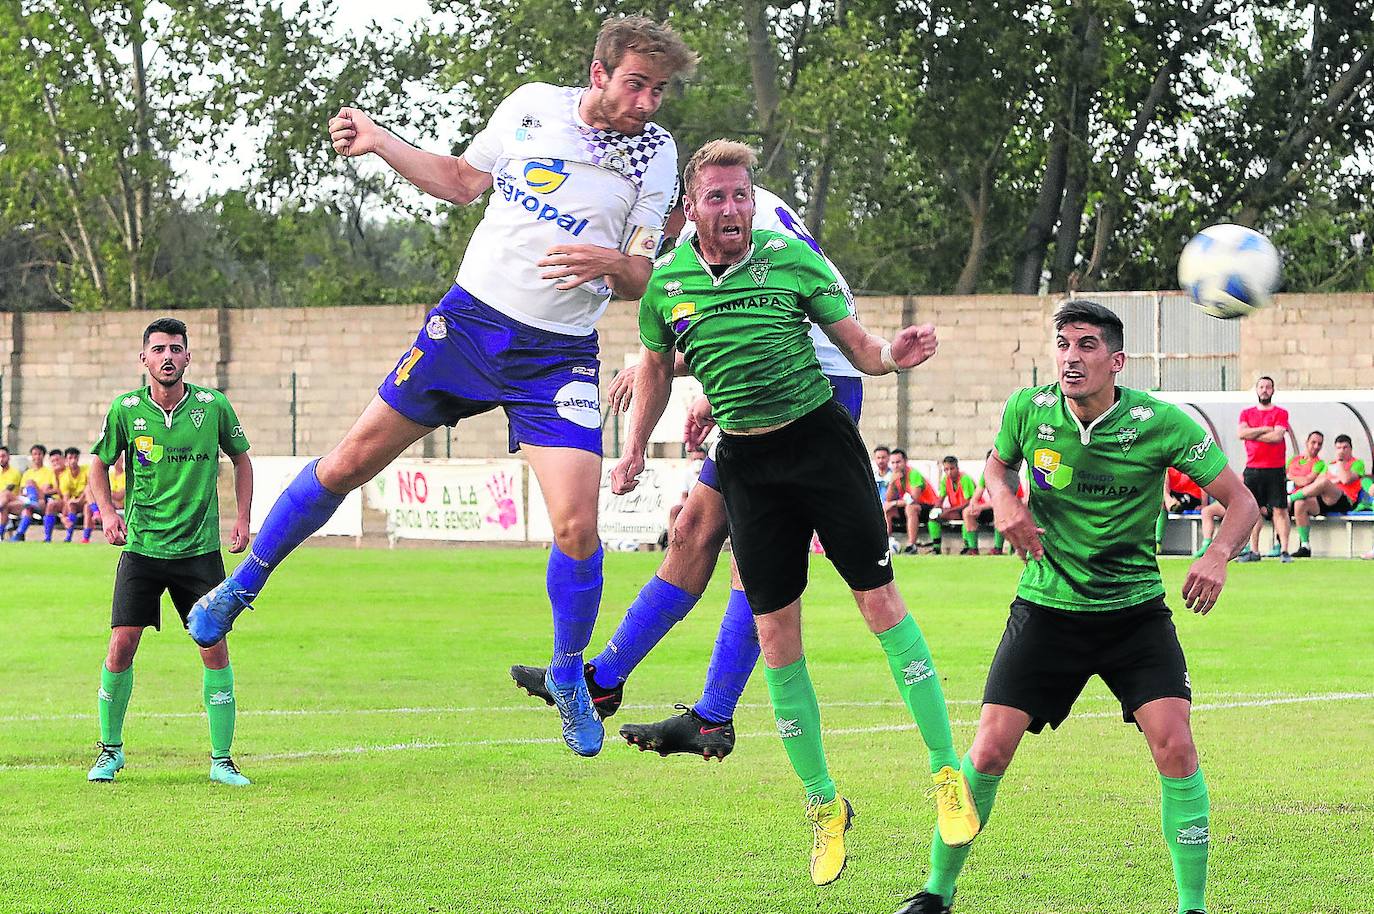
x: 71, y: 529
x: 658, y: 607
x: 23, y: 528
x: 49, y: 522
x: 303, y: 508
x: 575, y: 593
x: 732, y: 661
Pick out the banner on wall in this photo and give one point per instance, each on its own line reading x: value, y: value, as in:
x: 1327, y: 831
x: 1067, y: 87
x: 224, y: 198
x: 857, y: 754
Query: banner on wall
x: 271, y: 476
x: 638, y: 517
x: 476, y: 500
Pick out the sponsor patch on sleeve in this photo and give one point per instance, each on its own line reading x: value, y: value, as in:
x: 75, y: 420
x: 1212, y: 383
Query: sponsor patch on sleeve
x: 643, y: 241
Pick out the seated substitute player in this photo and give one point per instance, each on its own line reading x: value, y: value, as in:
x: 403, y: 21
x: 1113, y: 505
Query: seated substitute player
x: 1180, y: 494
x: 34, y: 486
x: 582, y: 182
x: 1090, y: 600
x: 953, y: 493
x: 11, y: 502
x: 1303, y: 470
x: 1335, y: 491
x: 172, y: 433
x: 979, y: 512
x: 73, y: 489
x: 116, y: 496
x: 790, y: 461
x: 53, y: 500
x: 907, y: 502
x: 707, y: 728
x: 881, y: 455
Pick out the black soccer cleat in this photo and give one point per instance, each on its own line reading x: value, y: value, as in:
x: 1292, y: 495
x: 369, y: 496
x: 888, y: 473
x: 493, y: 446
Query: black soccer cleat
x: 531, y: 679
x: 924, y: 903
x: 687, y: 733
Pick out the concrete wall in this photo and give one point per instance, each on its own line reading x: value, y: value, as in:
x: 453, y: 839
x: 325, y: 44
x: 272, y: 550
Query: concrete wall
x: 60, y: 371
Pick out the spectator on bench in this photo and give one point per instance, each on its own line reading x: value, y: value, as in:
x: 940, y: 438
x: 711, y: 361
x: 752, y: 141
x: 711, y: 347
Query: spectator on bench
x: 39, y: 487
x: 979, y: 512
x: 908, y: 500
x: 11, y: 501
x: 881, y: 474
x: 72, y: 486
x: 1303, y: 470
x: 1337, y: 491
x: 1180, y: 494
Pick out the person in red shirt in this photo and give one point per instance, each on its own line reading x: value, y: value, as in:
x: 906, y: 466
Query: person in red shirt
x: 1180, y: 494
x: 1263, y: 429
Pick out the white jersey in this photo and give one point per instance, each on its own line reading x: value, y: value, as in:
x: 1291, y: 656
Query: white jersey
x: 557, y: 180
x: 772, y: 214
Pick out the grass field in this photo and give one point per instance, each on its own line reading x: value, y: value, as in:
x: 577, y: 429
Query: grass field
x: 397, y: 769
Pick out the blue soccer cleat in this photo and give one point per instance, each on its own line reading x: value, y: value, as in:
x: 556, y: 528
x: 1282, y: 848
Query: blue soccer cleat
x: 214, y: 614
x: 224, y: 771
x: 582, y: 728
x: 107, y: 764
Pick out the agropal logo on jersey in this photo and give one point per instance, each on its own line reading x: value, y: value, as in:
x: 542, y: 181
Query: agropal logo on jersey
x: 579, y: 403
x: 1048, y: 469
x: 544, y: 176
x: 540, y: 180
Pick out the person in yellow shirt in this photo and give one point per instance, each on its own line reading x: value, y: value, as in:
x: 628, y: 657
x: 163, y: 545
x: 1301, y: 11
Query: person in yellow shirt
x: 11, y: 501
x: 38, y: 490
x: 73, y: 488
x: 116, y: 494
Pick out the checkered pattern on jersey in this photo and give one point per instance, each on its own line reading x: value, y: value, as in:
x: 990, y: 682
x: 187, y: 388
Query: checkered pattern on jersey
x: 628, y: 156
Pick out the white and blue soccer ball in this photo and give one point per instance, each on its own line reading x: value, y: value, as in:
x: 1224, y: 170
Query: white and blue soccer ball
x: 1229, y: 270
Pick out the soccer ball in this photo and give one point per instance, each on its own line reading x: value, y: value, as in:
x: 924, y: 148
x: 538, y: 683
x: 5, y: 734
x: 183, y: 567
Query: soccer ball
x: 1229, y: 270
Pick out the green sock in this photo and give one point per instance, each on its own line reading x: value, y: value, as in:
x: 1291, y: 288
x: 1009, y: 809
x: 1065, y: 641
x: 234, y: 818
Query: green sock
x: 933, y: 528
x: 914, y: 671
x: 1161, y: 523
x: 1295, y: 497
x: 113, y: 701
x: 218, y: 690
x: 998, y: 541
x: 1305, y: 535
x: 799, y: 724
x: 946, y: 861
x: 1184, y: 816
x: 970, y: 538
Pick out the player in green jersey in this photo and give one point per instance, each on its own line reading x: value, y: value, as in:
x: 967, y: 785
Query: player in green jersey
x: 170, y: 433
x: 1090, y: 600
x: 736, y: 303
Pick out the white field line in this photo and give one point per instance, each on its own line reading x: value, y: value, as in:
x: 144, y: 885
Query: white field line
x: 420, y: 745
x: 517, y: 709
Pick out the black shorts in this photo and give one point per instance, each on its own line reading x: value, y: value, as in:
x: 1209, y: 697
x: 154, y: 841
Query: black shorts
x: 1048, y: 655
x: 811, y: 475
x: 1269, y: 485
x: 1342, y: 505
x: 141, y: 580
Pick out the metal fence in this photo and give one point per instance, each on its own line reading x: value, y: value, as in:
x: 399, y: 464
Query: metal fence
x: 1173, y: 345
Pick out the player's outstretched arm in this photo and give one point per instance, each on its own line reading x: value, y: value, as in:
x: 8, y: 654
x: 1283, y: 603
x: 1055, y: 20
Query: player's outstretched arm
x: 874, y: 355
x: 1207, y: 575
x: 243, y: 501
x: 1012, y: 516
x: 451, y: 178
x: 110, y: 521
x: 653, y: 384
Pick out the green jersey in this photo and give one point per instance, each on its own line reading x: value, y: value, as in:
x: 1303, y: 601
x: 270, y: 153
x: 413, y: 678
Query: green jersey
x: 172, y: 460
x: 1095, y: 491
x: 744, y: 333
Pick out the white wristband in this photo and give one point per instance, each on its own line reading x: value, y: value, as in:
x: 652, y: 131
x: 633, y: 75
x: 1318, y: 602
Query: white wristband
x: 885, y: 356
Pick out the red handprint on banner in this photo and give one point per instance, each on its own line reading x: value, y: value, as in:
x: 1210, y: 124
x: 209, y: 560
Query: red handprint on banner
x: 500, y: 487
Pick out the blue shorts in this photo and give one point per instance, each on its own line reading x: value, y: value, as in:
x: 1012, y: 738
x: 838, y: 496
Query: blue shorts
x: 470, y: 358
x: 850, y: 393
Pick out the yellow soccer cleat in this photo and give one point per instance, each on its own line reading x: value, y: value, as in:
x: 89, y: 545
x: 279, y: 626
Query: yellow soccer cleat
x: 955, y: 814
x: 829, y: 822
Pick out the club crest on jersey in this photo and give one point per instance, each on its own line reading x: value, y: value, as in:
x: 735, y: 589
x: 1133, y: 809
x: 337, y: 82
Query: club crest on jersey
x: 197, y: 417
x: 672, y: 288
x: 1141, y: 413
x: 758, y: 269
x: 616, y: 163
x: 1045, y: 432
x: 545, y: 175
x: 1126, y: 437
x: 681, y: 316
x: 1044, y: 398
x: 1049, y: 471
x: 437, y: 328
x: 204, y: 396
x: 140, y: 424
x: 129, y: 401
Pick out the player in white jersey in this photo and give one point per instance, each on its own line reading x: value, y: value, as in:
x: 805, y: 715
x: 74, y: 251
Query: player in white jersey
x: 581, y: 182
x: 707, y: 728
